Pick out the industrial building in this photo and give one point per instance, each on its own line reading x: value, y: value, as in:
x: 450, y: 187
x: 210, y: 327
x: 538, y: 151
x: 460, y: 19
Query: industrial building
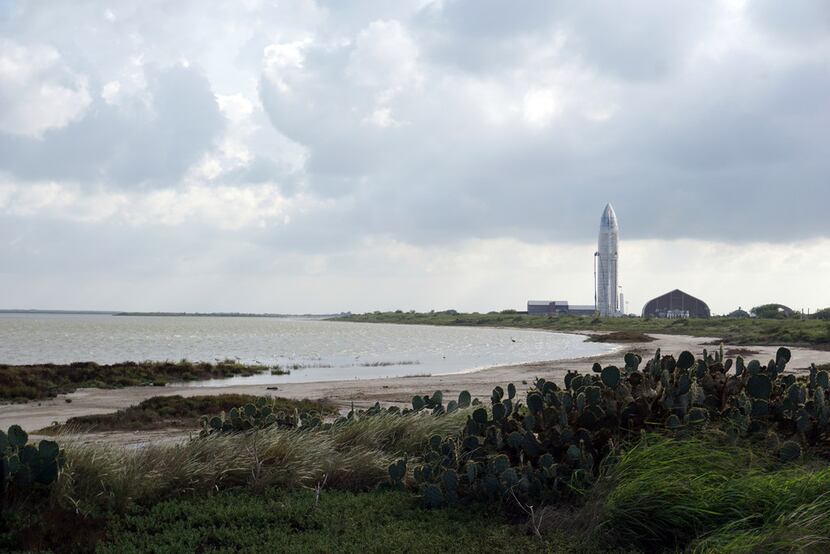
x: 558, y: 307
x: 676, y: 304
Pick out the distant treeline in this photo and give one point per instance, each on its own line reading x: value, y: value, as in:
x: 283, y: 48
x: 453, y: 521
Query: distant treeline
x: 224, y: 314
x: 780, y: 327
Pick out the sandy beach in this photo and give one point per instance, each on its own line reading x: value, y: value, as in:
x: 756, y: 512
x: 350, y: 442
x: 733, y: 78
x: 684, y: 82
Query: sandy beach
x: 37, y: 415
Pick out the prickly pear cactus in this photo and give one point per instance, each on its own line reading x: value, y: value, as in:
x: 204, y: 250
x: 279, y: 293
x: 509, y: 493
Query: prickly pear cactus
x: 552, y: 443
x: 24, y: 465
x: 259, y: 415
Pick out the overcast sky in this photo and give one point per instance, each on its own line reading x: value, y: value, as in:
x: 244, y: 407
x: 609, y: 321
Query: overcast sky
x: 318, y: 156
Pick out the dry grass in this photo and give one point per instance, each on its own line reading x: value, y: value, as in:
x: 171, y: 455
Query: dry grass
x: 352, y: 456
x: 403, y: 435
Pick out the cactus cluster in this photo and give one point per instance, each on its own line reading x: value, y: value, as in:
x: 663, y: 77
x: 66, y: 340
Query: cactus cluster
x: 435, y: 403
x: 259, y: 415
x: 23, y: 465
x: 553, y: 444
x: 264, y: 414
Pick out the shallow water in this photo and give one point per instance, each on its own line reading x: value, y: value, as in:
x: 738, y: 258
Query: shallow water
x: 313, y: 350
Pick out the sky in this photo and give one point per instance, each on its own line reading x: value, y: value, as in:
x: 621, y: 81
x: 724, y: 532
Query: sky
x: 302, y: 156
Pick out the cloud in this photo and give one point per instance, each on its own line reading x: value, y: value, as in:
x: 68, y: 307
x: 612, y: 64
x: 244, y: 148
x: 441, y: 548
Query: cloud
x: 37, y: 91
x: 129, y: 143
x: 796, y: 20
x: 496, y: 148
x: 351, y: 137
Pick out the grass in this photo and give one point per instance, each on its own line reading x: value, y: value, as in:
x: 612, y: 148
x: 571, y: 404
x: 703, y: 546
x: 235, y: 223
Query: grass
x: 164, y: 412
x: 20, y: 383
x: 383, y: 521
x: 100, y: 483
x: 255, y: 492
x: 702, y: 494
x: 281, y: 520
x: 792, y: 332
x: 100, y: 478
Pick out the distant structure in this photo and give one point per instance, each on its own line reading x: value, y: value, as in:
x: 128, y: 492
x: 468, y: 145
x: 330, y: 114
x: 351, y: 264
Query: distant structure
x: 606, y: 258
x: 557, y: 307
x: 739, y: 314
x: 608, y: 301
x: 676, y: 304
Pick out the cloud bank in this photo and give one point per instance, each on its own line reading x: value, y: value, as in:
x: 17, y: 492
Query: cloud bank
x: 380, y: 151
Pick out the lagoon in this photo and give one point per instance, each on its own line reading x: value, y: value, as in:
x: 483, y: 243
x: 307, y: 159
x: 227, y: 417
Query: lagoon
x: 313, y: 350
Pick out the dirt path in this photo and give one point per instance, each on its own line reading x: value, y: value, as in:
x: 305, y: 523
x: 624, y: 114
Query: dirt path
x: 36, y: 415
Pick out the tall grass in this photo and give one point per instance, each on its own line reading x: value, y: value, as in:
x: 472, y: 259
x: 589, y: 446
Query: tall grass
x: 403, y: 435
x: 667, y: 491
x: 353, y: 456
x: 804, y: 529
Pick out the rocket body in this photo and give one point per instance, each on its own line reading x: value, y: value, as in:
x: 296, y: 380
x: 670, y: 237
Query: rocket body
x: 608, y: 304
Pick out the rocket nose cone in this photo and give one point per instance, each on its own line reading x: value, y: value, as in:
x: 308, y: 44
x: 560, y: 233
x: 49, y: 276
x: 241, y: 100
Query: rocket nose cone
x: 609, y: 217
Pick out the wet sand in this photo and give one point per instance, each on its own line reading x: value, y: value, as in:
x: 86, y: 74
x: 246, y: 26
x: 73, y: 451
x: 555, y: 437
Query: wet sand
x: 37, y: 415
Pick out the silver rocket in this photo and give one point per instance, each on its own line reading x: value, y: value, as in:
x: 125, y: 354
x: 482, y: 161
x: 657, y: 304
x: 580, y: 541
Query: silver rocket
x: 608, y: 304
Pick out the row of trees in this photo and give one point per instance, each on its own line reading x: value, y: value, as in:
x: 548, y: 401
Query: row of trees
x: 780, y: 311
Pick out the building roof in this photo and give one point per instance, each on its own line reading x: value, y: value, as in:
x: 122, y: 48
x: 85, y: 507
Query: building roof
x: 677, y: 300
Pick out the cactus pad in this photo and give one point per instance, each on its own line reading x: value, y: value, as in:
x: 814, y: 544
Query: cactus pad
x: 611, y: 376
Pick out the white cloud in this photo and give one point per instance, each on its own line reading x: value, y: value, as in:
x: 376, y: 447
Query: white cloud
x: 384, y: 57
x: 219, y: 207
x: 540, y: 106
x: 110, y: 92
x: 37, y: 91
x: 283, y: 61
x: 385, y: 60
x: 236, y: 107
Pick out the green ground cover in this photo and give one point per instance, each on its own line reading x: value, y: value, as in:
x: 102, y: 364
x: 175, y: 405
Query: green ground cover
x: 793, y: 332
x: 19, y: 383
x: 293, y: 521
x: 181, y: 412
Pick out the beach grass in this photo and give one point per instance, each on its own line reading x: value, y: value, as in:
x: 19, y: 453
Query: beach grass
x: 706, y: 495
x: 105, y: 477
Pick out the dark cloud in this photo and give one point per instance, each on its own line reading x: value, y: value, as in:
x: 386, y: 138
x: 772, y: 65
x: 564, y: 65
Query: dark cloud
x: 638, y: 40
x: 697, y: 146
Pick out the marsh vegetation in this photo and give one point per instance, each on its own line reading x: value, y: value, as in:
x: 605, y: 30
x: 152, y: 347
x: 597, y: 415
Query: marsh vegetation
x: 177, y: 412
x: 20, y: 383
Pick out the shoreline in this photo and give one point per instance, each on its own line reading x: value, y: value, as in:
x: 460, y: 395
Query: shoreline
x: 365, y: 392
